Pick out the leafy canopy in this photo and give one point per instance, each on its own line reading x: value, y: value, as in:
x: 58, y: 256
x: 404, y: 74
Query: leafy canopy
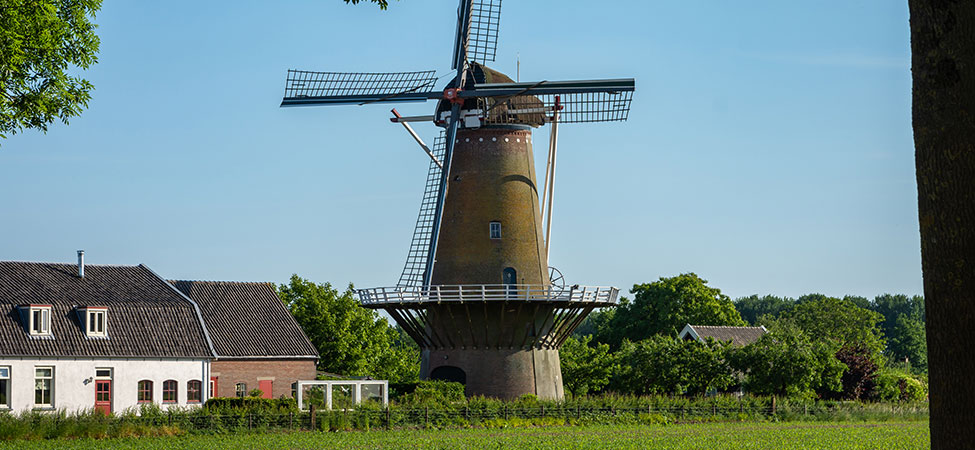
x: 383, y: 4
x: 41, y: 41
x: 665, y: 306
x: 352, y: 341
x: 587, y: 367
x: 665, y: 365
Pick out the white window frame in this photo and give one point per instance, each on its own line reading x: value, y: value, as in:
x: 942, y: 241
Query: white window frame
x: 43, y: 312
x: 494, y: 230
x: 5, y: 376
x: 50, y: 378
x: 238, y: 392
x: 93, y: 326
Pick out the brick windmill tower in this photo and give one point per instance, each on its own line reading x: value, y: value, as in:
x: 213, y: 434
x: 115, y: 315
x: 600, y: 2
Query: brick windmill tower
x: 477, y: 293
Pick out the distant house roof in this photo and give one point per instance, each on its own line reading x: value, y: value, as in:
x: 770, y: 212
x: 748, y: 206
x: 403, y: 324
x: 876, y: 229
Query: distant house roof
x: 247, y: 320
x: 146, y: 316
x: 738, y: 336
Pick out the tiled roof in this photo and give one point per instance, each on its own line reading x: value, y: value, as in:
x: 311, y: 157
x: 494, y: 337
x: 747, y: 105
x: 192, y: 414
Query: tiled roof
x: 247, y: 320
x: 739, y: 336
x: 146, y: 316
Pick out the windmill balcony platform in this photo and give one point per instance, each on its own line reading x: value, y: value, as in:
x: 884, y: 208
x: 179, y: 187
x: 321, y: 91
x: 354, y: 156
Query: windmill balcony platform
x: 421, y: 297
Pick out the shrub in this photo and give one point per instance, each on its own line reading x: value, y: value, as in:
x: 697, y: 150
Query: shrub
x: 250, y: 404
x: 434, y: 393
x: 898, y: 385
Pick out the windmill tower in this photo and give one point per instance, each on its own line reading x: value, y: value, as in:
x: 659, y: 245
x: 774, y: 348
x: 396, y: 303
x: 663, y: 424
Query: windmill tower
x: 477, y: 293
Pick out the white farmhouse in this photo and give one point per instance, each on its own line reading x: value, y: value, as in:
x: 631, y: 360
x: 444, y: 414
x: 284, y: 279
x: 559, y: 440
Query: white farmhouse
x: 107, y: 337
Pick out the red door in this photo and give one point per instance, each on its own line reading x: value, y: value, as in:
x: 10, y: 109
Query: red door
x: 265, y: 387
x: 213, y: 387
x: 103, y: 396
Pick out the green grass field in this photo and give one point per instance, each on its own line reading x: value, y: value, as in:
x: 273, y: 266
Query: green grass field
x: 738, y: 436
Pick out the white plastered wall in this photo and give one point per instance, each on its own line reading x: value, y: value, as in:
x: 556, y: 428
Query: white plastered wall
x: 74, y: 386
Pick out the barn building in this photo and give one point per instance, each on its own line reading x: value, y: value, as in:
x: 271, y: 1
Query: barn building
x: 257, y: 342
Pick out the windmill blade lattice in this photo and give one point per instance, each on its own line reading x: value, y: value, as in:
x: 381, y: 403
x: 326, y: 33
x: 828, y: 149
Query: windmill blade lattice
x: 416, y: 259
x: 579, y: 101
x: 482, y: 41
x: 320, y: 88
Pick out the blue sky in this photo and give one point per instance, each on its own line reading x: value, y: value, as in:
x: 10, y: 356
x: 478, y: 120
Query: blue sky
x: 769, y: 147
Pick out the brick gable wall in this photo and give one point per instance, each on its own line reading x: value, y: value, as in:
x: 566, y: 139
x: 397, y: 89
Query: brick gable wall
x: 283, y: 371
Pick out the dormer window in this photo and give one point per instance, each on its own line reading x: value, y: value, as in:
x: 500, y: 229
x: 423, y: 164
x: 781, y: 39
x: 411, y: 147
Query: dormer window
x: 40, y: 320
x: 94, y: 320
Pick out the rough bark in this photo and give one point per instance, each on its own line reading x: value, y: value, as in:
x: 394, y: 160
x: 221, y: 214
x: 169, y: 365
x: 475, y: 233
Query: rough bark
x: 943, y: 66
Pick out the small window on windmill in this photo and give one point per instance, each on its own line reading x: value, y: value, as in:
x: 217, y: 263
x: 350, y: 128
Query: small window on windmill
x: 495, y: 230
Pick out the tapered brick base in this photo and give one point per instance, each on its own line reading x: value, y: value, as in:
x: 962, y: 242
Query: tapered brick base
x: 503, y: 374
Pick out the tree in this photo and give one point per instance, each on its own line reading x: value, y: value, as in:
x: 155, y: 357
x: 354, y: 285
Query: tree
x: 909, y: 342
x: 786, y: 362
x: 841, y: 322
x: 665, y: 306
x: 383, y: 4
x: 858, y: 378
x: 351, y: 340
x: 943, y: 68
x: 753, y: 307
x: 586, y: 366
x: 40, y: 42
x: 665, y: 365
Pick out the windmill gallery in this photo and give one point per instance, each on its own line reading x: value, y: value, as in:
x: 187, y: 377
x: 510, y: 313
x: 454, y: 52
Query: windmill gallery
x: 477, y: 293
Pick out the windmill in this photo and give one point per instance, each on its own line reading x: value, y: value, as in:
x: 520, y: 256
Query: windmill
x: 476, y: 292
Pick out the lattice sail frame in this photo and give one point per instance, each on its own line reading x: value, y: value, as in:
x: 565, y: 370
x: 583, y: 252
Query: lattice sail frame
x: 304, y: 84
x: 576, y: 107
x: 482, y: 37
x: 416, y: 259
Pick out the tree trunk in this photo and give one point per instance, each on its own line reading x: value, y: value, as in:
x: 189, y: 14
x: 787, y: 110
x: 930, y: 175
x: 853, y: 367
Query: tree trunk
x: 943, y: 66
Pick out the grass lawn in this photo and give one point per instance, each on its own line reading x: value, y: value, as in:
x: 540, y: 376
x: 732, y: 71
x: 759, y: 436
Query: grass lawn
x: 738, y: 436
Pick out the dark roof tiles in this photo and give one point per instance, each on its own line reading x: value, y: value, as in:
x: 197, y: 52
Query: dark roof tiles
x: 146, y: 316
x: 247, y: 320
x: 738, y: 336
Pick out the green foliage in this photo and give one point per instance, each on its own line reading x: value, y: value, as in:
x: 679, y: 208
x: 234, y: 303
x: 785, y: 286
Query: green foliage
x: 351, y: 340
x: 786, y: 362
x: 218, y: 405
x: 431, y: 393
x: 40, y: 42
x: 841, y: 322
x: 383, y: 4
x: 898, y: 385
x: 665, y: 306
x: 662, y: 365
x: 255, y: 393
x: 753, y: 308
x: 587, y: 367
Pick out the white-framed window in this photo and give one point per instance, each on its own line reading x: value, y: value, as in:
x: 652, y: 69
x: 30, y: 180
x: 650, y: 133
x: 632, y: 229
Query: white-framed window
x: 43, y: 387
x: 495, y: 230
x: 240, y: 389
x: 96, y: 321
x: 40, y: 320
x: 5, y: 387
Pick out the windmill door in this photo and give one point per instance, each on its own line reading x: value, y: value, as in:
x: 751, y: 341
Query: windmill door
x: 510, y: 278
x: 103, y: 396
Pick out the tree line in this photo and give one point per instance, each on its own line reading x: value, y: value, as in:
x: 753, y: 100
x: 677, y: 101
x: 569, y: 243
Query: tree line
x: 816, y: 346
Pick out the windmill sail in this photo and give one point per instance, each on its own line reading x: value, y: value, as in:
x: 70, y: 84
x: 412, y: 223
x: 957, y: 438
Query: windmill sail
x: 416, y: 260
x: 583, y: 101
x: 305, y: 88
x: 482, y: 38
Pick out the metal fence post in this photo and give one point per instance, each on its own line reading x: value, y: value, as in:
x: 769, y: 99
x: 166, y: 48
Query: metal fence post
x: 388, y: 422
x: 426, y: 416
